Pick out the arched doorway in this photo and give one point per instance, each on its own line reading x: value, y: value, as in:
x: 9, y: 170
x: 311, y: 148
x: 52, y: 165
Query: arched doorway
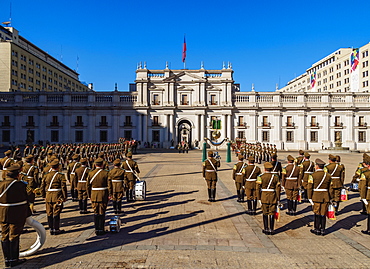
x: 184, y: 131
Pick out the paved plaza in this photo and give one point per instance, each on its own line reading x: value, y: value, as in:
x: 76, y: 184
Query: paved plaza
x: 176, y: 227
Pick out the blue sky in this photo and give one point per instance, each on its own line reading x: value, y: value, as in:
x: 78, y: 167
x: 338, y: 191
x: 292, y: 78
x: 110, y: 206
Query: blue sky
x: 267, y: 42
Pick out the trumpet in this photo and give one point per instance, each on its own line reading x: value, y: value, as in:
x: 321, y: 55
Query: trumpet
x: 37, y: 192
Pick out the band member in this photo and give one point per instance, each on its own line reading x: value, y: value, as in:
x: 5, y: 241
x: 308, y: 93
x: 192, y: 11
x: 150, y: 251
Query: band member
x: 362, y: 168
x: 319, y: 184
x: 337, y: 175
x: 131, y: 172
x: 71, y: 176
x: 250, y: 173
x: 54, y: 190
x: 277, y: 167
x: 210, y: 175
x: 97, y: 189
x: 307, y: 167
x: 269, y: 191
x: 291, y: 183
x: 6, y: 162
x: 116, y: 185
x: 30, y: 174
x: 14, y: 210
x: 238, y: 177
x: 299, y: 160
x: 81, y: 174
x: 365, y: 193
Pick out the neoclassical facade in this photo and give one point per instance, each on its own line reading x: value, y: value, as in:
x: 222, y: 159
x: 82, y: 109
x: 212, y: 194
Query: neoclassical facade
x: 167, y: 106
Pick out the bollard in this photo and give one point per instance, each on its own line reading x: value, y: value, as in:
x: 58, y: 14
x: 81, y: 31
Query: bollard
x: 228, y: 153
x: 204, y: 152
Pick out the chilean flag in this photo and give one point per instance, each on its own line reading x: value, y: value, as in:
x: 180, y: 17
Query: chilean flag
x: 184, y: 51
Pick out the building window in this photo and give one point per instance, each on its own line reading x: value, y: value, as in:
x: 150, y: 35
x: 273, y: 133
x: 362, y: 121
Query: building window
x: 104, y: 136
x: 265, y: 122
x: 365, y: 74
x: 313, y: 122
x: 213, y: 100
x: 346, y: 80
x: 338, y: 136
x: 184, y: 99
x: 365, y: 54
x: 54, y: 136
x: 128, y: 134
x: 103, y: 121
x: 361, y: 121
x: 265, y: 136
x: 365, y: 64
x: 241, y: 134
x: 365, y: 83
x: 241, y: 121
x: 30, y: 121
x: 54, y: 121
x: 79, y: 136
x: 314, y: 136
x: 362, y: 136
x: 79, y: 121
x: 337, y: 122
x: 289, y: 121
x: 155, y: 120
x: 289, y: 136
x: 6, y: 136
x: 155, y: 136
x: 156, y: 99
x: 128, y: 121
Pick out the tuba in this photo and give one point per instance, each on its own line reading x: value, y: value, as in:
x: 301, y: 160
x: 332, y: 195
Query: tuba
x: 40, y: 240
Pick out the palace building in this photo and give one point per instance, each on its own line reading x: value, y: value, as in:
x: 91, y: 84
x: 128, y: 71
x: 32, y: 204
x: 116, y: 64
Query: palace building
x: 42, y: 100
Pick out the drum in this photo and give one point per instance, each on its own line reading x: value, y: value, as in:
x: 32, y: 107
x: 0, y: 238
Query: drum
x: 140, y: 190
x: 115, y: 224
x: 354, y: 186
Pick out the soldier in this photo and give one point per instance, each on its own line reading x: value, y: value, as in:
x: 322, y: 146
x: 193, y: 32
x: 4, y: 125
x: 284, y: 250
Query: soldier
x: 291, y: 184
x: 277, y: 167
x: 210, y: 175
x: 250, y: 173
x: 81, y: 175
x: 54, y: 190
x: 300, y: 158
x: 337, y: 175
x: 131, y: 173
x: 14, y: 210
x: 365, y: 193
x: 30, y: 174
x: 269, y: 191
x: 116, y: 185
x: 319, y: 184
x: 306, y: 168
x: 97, y: 190
x: 362, y: 168
x: 71, y: 176
x: 6, y: 162
x: 238, y: 177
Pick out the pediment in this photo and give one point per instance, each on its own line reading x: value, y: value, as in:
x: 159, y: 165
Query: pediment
x: 184, y: 77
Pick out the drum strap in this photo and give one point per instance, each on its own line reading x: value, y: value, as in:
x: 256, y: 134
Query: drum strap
x: 212, y: 165
x: 95, y: 176
x: 7, y: 188
x: 250, y: 176
x: 132, y: 171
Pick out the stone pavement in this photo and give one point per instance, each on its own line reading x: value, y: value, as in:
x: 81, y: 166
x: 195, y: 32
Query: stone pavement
x: 176, y: 227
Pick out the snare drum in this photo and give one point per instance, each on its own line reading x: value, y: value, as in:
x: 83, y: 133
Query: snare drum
x: 354, y: 186
x: 140, y: 190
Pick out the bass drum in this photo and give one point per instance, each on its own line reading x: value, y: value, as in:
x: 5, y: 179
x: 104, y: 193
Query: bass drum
x: 40, y: 240
x: 140, y: 190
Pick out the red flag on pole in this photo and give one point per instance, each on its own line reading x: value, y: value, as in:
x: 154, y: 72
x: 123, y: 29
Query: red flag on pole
x: 184, y: 51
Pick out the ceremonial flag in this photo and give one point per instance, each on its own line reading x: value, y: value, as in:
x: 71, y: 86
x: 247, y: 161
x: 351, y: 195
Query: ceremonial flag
x: 313, y: 81
x: 184, y: 51
x: 355, y: 71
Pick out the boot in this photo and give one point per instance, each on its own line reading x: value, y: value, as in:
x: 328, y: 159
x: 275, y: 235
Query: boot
x: 76, y: 195
x: 96, y: 223
x: 128, y: 196
x: 73, y: 194
x: 57, y: 225
x: 6, y: 252
x: 213, y: 194
x: 242, y: 194
x: 101, y: 224
x: 254, y: 207
x: 119, y: 206
x: 51, y: 224
x: 132, y: 195
x: 272, y: 222
x: 265, y: 224
x: 209, y: 195
x: 316, y: 225
x: 84, y: 207
x: 323, y: 224
x: 289, y: 204
x: 364, y: 211
x: 294, y: 208
x: 80, y: 204
x: 14, y: 253
x: 368, y: 226
x: 249, y: 204
x: 238, y: 194
x: 114, y: 207
x: 337, y: 208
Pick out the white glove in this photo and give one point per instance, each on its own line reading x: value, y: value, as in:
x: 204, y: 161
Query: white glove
x: 365, y: 201
x: 311, y: 202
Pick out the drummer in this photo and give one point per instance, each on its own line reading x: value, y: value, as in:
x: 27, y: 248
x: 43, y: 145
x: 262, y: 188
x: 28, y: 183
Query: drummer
x: 131, y: 175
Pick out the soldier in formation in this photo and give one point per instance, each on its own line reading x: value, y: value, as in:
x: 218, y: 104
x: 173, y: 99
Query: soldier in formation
x: 291, y: 183
x: 250, y: 174
x: 210, y: 175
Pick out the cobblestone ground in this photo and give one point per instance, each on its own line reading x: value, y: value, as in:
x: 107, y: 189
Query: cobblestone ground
x: 176, y: 227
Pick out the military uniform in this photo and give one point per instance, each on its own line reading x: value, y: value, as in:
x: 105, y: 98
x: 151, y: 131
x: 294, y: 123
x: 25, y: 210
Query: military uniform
x: 5, y: 163
x: 277, y: 167
x: 81, y: 174
x: 238, y: 177
x: 71, y: 176
x: 337, y: 175
x: 291, y: 183
x: 269, y: 188
x: 131, y: 170
x: 365, y: 196
x: 97, y: 189
x: 318, y: 190
x: 210, y: 175
x: 30, y: 174
x: 307, y: 167
x: 250, y: 173
x: 116, y: 185
x: 14, y: 210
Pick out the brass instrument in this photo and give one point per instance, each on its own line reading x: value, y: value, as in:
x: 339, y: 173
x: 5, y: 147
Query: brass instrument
x: 37, y: 192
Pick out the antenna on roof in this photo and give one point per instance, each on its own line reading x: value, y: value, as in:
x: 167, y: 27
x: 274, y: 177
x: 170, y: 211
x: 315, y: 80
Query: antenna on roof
x: 78, y: 58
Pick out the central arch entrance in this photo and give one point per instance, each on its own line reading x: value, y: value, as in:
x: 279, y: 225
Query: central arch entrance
x: 184, y: 131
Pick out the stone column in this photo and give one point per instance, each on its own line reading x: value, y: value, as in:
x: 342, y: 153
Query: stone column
x: 202, y: 127
x: 172, y: 125
x: 229, y: 126
x: 197, y: 127
x: 145, y: 128
x: 224, y: 126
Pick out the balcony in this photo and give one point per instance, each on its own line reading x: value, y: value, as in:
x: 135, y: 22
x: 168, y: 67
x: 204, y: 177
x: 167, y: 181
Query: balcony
x: 126, y: 124
x: 314, y: 125
x: 266, y: 125
x: 5, y: 124
x: 338, y: 125
x: 103, y: 124
x: 184, y: 103
x: 213, y: 103
x: 156, y: 103
x: 290, y: 125
x: 30, y: 124
x: 241, y: 125
x: 362, y: 125
x: 156, y: 124
x: 79, y: 124
x: 54, y: 124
